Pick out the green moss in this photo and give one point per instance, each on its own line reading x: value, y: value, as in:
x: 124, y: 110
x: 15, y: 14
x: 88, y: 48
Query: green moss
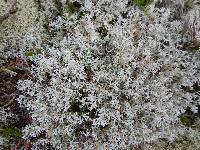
x: 81, y: 14
x: 28, y: 53
x: 197, y: 47
x: 186, y: 120
x: 58, y: 6
x: 71, y: 8
x: 142, y: 3
x: 76, y: 107
x: 10, y: 132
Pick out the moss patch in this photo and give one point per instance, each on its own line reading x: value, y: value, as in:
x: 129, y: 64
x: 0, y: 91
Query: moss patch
x: 71, y: 8
x: 142, y: 3
x: 28, y: 53
x: 10, y: 132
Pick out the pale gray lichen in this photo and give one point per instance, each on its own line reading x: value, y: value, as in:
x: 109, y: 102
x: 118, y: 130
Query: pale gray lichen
x: 23, y: 29
x: 112, y: 84
x: 109, y: 77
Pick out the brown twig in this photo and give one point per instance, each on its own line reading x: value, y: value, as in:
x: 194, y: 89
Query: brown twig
x: 10, y: 10
x: 22, y: 144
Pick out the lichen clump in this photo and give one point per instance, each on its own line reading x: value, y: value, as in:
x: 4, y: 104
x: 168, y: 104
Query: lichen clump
x: 110, y: 77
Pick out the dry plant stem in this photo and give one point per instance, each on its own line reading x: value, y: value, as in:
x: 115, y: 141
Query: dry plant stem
x: 9, y: 103
x: 10, y: 10
x: 26, y: 145
x: 192, y: 30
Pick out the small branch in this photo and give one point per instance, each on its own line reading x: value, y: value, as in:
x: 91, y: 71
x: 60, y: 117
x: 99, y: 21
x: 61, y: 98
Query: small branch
x: 10, y: 10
